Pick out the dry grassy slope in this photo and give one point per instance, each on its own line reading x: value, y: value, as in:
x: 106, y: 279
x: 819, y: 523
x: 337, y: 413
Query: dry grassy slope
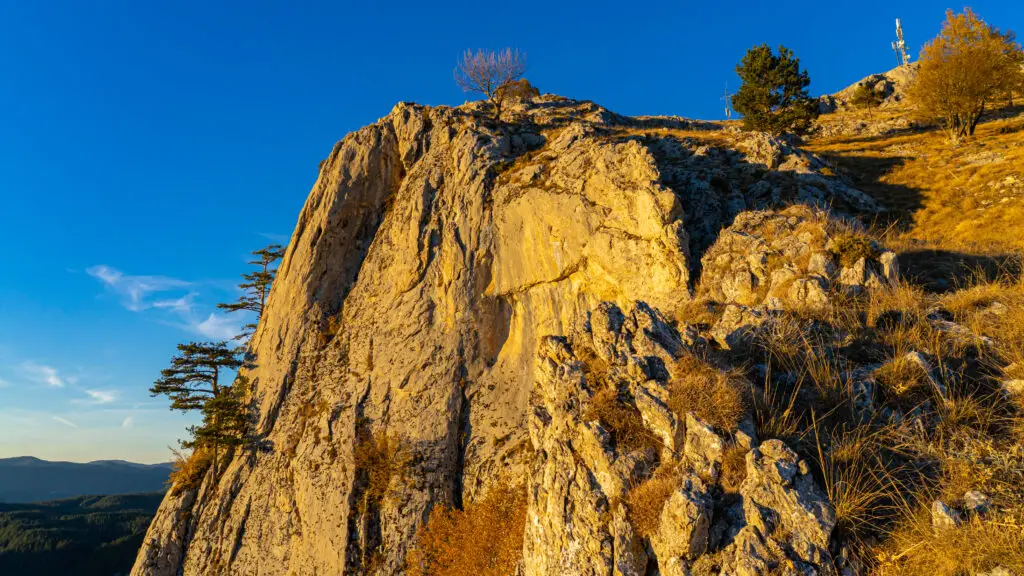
x: 967, y: 198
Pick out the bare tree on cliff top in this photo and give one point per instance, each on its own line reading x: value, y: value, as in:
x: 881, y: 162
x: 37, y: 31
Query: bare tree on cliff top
x: 487, y: 72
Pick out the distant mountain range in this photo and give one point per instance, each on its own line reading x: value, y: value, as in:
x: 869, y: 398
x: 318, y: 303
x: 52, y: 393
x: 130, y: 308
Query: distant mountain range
x: 28, y: 479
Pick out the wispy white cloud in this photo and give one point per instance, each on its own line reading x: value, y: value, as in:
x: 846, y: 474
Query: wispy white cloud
x: 133, y: 290
x: 4, y: 383
x: 65, y: 421
x: 168, y: 295
x: 281, y: 239
x: 183, y: 305
x: 128, y: 422
x: 216, y: 327
x: 42, y: 374
x: 98, y: 396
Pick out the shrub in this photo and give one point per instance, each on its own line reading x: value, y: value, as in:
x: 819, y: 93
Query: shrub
x: 865, y: 96
x: 485, y: 539
x: 714, y: 396
x: 850, y: 248
x: 379, y: 457
x: 520, y: 89
x: 187, y: 472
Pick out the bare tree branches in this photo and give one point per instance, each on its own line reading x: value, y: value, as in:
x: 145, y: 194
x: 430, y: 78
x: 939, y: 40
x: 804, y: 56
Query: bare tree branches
x: 487, y: 72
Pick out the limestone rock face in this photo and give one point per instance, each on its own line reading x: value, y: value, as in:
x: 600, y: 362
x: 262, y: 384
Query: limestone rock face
x: 441, y: 279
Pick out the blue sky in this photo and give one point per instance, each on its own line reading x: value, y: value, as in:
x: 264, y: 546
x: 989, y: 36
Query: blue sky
x: 147, y: 147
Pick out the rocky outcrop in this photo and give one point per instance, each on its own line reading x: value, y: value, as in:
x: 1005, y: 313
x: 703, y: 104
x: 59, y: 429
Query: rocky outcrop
x: 791, y: 259
x: 787, y: 519
x: 581, y: 475
x: 890, y: 86
x: 840, y: 117
x: 439, y: 284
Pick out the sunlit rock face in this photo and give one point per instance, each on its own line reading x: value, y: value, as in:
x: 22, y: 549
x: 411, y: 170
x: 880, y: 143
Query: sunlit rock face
x: 436, y: 288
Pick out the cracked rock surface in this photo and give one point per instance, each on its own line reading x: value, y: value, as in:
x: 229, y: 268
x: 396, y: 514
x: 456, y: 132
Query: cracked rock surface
x: 439, y: 278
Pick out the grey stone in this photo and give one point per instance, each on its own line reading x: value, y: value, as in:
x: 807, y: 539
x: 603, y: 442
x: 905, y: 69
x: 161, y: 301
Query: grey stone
x: 943, y: 516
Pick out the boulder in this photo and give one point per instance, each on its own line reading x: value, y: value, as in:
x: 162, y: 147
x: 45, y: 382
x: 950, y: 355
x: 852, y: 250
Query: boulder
x: 976, y: 502
x: 683, y: 529
x: 943, y: 516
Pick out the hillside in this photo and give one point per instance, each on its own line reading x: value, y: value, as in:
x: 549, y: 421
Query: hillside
x: 86, y: 536
x: 954, y: 211
x: 28, y: 479
x: 581, y: 343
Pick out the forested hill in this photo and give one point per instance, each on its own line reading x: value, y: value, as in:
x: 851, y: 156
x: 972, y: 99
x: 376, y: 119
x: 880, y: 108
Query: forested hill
x: 85, y: 536
x: 28, y: 479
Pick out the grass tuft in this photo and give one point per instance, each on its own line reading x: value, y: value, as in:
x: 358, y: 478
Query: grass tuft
x: 484, y: 539
x: 714, y: 396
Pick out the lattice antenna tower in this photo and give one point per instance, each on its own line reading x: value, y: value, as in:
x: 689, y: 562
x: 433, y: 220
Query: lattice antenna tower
x: 900, y: 47
x: 728, y: 102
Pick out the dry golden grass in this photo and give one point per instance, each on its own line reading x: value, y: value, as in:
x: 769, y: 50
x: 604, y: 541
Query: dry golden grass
x: 485, y: 539
x: 714, y: 396
x: 903, y: 302
x: 778, y: 413
x: 646, y: 500
x: 696, y: 311
x: 901, y: 378
x: 734, y: 468
x: 621, y: 419
x: 973, y: 548
x: 188, y: 471
x: 958, y: 197
x: 995, y: 309
x: 860, y: 478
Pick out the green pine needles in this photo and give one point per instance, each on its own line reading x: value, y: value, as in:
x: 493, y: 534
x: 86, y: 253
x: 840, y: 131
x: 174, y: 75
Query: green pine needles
x: 773, y: 97
x: 256, y: 287
x: 196, y: 377
x: 194, y: 382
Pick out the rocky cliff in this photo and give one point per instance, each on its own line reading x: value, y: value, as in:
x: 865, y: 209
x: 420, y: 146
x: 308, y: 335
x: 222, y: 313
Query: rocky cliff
x: 452, y: 283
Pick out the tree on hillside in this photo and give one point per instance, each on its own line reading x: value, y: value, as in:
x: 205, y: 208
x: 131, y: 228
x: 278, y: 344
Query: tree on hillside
x: 225, y: 420
x: 865, y: 96
x: 488, y: 73
x: 773, y: 95
x: 256, y: 287
x: 193, y: 381
x: 962, y: 69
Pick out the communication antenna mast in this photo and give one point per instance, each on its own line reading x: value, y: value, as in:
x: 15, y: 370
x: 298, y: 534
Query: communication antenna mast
x: 900, y: 47
x: 728, y: 102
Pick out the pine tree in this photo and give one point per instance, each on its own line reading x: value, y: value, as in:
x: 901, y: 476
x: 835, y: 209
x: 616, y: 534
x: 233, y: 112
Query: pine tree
x: 225, y: 421
x: 193, y: 382
x: 865, y: 96
x: 256, y: 287
x: 773, y: 97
